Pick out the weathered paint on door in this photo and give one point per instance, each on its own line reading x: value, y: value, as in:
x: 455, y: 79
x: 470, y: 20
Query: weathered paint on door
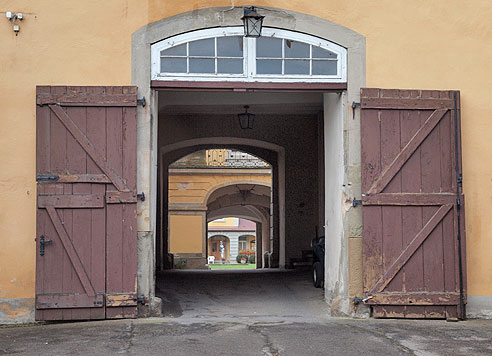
x: 410, y: 211
x: 86, y: 172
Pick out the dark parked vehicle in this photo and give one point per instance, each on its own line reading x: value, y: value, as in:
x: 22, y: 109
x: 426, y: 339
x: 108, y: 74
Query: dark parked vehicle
x: 318, y: 245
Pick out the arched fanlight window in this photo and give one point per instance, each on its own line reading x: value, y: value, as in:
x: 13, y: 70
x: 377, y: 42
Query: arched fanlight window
x: 225, y: 54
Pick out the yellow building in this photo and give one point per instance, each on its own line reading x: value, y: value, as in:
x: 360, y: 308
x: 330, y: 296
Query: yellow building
x: 373, y: 116
x: 207, y: 188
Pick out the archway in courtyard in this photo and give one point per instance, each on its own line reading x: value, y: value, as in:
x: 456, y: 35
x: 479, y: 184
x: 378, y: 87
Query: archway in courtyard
x: 246, y: 202
x: 333, y: 110
x: 198, y: 189
x: 288, y: 126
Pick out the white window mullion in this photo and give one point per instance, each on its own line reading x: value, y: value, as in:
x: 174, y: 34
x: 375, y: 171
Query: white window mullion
x: 283, y: 56
x: 251, y: 57
x: 215, y: 54
x: 310, y: 59
x: 187, y: 58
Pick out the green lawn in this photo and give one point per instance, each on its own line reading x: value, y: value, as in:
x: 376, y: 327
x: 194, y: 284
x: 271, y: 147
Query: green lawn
x: 233, y: 266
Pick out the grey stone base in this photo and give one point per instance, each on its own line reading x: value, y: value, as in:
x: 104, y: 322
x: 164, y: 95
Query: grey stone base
x: 151, y: 309
x: 189, y: 261
x: 16, y: 310
x: 479, y: 307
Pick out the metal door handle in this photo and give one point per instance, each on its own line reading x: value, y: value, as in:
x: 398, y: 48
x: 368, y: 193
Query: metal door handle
x: 42, y: 242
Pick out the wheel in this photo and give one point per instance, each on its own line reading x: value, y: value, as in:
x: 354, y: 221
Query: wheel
x: 317, y: 275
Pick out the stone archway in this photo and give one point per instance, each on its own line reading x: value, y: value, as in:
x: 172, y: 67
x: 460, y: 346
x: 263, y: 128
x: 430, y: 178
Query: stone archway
x: 342, y: 223
x: 267, y: 151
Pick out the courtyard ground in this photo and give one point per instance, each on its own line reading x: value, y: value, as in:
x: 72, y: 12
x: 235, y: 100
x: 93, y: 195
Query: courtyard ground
x: 247, y: 313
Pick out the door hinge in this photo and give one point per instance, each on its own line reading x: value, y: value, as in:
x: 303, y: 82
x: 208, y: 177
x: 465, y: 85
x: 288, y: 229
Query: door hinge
x: 354, y: 106
x: 47, y: 177
x: 141, y: 196
x: 356, y: 202
x: 142, y: 300
x: 141, y: 101
x: 460, y: 180
x: 358, y: 300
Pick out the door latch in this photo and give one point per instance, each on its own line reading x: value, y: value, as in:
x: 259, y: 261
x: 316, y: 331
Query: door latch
x: 42, y: 242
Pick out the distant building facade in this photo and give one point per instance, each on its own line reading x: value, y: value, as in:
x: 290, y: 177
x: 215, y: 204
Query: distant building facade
x: 236, y: 234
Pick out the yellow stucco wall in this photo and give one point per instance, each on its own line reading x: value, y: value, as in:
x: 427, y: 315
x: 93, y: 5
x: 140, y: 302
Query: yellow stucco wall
x: 194, y: 189
x: 226, y: 222
x: 185, y: 233
x: 440, y: 44
x: 186, y: 188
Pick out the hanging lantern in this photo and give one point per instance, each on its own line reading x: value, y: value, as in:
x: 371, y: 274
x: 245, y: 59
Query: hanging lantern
x: 246, y: 119
x: 252, y: 22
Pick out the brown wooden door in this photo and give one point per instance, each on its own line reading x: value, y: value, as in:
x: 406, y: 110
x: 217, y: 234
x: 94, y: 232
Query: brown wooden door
x: 412, y: 203
x: 86, y: 216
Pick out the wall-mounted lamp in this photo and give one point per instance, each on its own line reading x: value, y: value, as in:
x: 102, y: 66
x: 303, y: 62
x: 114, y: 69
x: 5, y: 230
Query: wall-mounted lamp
x: 246, y: 119
x: 14, y: 18
x: 252, y: 22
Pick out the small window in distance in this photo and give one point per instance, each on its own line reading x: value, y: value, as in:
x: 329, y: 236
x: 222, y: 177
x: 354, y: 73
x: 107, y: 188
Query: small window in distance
x: 243, y: 243
x: 214, y: 247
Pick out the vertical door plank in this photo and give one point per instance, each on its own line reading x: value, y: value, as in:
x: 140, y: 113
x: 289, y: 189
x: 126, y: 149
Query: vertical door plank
x: 82, y: 230
x: 41, y: 219
x: 69, y: 277
x: 432, y: 247
x: 412, y: 215
x: 391, y: 215
x: 96, y: 132
x: 58, y: 142
x: 114, y: 248
x: 371, y: 168
x: 129, y: 237
x: 52, y: 261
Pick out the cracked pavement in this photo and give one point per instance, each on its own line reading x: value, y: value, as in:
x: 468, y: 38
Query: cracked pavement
x: 272, y: 314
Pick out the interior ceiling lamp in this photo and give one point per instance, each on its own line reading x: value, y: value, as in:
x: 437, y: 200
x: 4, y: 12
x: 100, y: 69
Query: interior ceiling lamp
x: 246, y: 119
x: 252, y: 22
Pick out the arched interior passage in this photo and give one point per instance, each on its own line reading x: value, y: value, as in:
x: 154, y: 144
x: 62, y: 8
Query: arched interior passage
x: 198, y: 190
x: 246, y: 201
x: 288, y: 134
x: 340, y: 130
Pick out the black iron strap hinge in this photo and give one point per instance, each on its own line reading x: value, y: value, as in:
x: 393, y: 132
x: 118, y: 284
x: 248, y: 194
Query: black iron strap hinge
x: 143, y: 300
x: 47, y: 177
x: 356, y: 202
x: 141, y: 101
x: 141, y: 196
x: 354, y: 106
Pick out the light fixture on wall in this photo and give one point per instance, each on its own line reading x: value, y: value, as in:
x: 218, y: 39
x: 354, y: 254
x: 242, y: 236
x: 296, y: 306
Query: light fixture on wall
x: 14, y: 18
x: 246, y: 119
x: 252, y: 22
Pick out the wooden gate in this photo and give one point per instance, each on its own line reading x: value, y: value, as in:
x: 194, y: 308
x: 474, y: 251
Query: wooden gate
x: 413, y: 224
x: 86, y: 261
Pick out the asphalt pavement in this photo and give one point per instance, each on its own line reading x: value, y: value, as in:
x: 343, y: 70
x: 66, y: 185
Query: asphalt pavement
x: 247, y: 313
